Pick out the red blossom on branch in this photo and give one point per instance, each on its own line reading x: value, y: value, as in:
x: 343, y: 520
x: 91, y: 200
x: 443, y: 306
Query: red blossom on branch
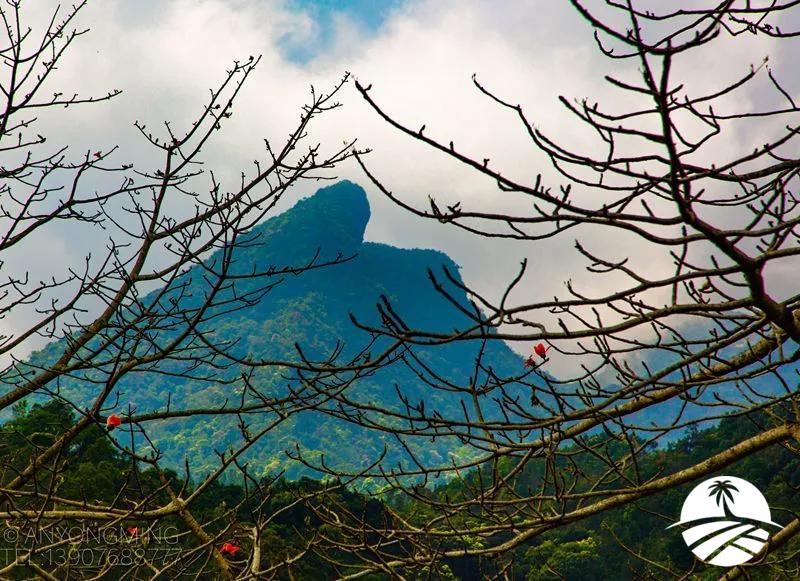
x: 229, y: 549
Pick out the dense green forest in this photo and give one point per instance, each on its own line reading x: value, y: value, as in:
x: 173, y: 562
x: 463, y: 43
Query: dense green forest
x: 627, y: 543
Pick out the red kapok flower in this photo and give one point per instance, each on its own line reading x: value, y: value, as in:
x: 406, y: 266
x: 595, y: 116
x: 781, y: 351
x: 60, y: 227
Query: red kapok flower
x: 540, y: 350
x: 529, y: 362
x: 97, y: 154
x: 113, y: 421
x: 133, y: 531
x: 229, y: 548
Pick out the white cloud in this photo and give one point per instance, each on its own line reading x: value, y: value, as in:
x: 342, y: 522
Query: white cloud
x: 166, y: 55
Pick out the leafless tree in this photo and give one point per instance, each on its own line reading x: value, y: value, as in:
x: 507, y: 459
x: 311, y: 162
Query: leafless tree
x: 535, y: 452
x: 716, y: 336
x: 147, y: 299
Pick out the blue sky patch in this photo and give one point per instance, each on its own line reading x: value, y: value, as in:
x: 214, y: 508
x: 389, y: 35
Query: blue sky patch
x: 368, y: 15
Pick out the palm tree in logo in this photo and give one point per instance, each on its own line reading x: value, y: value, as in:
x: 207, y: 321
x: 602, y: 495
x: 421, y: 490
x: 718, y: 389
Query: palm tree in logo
x: 719, y: 539
x: 723, y: 491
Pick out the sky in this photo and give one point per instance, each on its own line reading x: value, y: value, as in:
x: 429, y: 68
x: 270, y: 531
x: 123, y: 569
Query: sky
x: 420, y: 56
x: 326, y: 16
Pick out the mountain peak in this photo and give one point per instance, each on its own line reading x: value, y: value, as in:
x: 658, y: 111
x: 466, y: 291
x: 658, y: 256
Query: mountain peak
x: 333, y: 220
x: 341, y: 208
x: 311, y: 310
x: 343, y: 195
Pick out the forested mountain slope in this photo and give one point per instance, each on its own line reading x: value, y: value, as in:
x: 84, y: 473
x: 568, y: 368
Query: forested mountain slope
x: 311, y: 309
